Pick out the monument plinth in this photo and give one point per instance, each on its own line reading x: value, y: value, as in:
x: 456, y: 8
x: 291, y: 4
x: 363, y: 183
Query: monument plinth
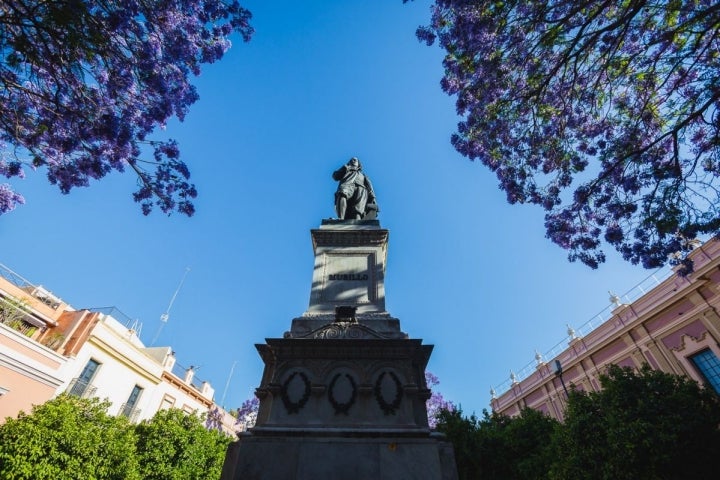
x: 343, y: 393
x: 348, y: 282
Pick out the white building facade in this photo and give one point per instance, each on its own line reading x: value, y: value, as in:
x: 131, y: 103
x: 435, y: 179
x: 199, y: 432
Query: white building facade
x: 48, y: 348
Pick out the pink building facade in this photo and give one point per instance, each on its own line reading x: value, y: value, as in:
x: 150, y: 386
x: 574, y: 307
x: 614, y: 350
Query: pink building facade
x: 30, y: 367
x: 675, y: 327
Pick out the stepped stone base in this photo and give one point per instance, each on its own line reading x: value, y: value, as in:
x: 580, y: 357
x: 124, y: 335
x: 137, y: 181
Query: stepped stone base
x: 309, y: 457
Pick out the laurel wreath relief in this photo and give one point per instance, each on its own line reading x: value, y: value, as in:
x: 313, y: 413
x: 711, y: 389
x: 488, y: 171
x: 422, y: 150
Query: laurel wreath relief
x: 290, y: 406
x: 388, y: 408
x: 342, y: 407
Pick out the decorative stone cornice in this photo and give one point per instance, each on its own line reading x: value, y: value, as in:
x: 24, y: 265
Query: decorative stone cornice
x: 280, y: 349
x: 329, y: 317
x: 349, y: 238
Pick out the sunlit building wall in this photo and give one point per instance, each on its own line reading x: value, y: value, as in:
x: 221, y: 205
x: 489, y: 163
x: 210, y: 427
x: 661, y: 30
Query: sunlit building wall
x: 675, y: 327
x: 48, y: 348
x: 111, y: 362
x: 29, y: 369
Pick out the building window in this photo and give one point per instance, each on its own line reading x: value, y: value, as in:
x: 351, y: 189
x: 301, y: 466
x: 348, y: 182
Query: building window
x: 708, y: 365
x: 167, y: 402
x: 80, y: 386
x: 128, y: 408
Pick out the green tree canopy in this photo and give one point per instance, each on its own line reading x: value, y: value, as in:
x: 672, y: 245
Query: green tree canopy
x: 500, y: 447
x: 643, y: 424
x: 176, y: 446
x: 71, y: 438
x: 68, y: 438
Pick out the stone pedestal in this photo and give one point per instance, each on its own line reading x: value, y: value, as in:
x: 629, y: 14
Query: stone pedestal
x: 343, y: 392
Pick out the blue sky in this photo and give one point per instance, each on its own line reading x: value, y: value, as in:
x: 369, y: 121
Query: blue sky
x: 319, y: 82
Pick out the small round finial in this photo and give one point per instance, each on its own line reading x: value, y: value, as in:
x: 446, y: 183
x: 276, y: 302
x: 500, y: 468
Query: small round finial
x: 571, y: 332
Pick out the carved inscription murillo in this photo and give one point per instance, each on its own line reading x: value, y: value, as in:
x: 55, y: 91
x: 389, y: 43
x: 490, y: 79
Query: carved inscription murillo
x: 348, y: 278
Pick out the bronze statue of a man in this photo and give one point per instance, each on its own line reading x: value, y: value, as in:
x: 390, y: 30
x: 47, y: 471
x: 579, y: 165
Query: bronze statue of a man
x: 354, y: 199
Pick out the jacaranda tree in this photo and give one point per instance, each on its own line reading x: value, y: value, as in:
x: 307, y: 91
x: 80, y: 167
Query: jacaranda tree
x: 83, y: 84
x: 437, y: 402
x: 605, y: 113
x: 247, y: 413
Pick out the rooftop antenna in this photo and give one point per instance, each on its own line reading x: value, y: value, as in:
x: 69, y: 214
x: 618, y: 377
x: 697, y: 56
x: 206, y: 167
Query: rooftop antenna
x: 227, y: 384
x: 165, y: 316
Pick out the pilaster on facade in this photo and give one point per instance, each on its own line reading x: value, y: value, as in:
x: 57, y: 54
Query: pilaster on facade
x: 666, y: 328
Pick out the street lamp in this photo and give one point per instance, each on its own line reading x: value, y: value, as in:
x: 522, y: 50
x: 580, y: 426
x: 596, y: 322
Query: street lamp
x: 558, y: 373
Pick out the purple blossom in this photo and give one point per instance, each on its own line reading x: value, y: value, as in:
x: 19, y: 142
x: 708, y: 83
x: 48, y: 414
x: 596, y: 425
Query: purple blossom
x: 629, y: 98
x: 247, y: 413
x: 213, y: 420
x: 84, y: 84
x: 436, y: 403
x: 9, y: 199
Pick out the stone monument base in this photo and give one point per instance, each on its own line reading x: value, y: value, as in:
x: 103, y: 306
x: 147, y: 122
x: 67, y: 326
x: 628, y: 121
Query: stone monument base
x: 343, y: 393
x: 341, y: 457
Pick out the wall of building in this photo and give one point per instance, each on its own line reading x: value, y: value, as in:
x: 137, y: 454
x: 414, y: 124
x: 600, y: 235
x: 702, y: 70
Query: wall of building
x: 125, y: 363
x: 46, y: 353
x: 664, y: 329
x: 29, y: 370
x: 29, y: 373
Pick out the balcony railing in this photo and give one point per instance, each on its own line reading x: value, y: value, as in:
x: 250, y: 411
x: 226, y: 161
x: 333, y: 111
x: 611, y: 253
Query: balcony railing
x: 594, y: 322
x: 128, y: 410
x: 36, y: 291
x: 182, y: 372
x: 18, y: 324
x: 81, y: 389
x: 15, y: 315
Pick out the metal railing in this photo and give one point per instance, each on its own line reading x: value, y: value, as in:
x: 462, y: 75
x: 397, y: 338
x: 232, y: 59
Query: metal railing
x: 81, y: 389
x: 39, y: 292
x: 14, y: 315
x: 181, y: 372
x: 131, y: 324
x: 129, y: 411
x: 197, y: 383
x: 19, y: 325
x: 594, y: 322
x: 116, y: 313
